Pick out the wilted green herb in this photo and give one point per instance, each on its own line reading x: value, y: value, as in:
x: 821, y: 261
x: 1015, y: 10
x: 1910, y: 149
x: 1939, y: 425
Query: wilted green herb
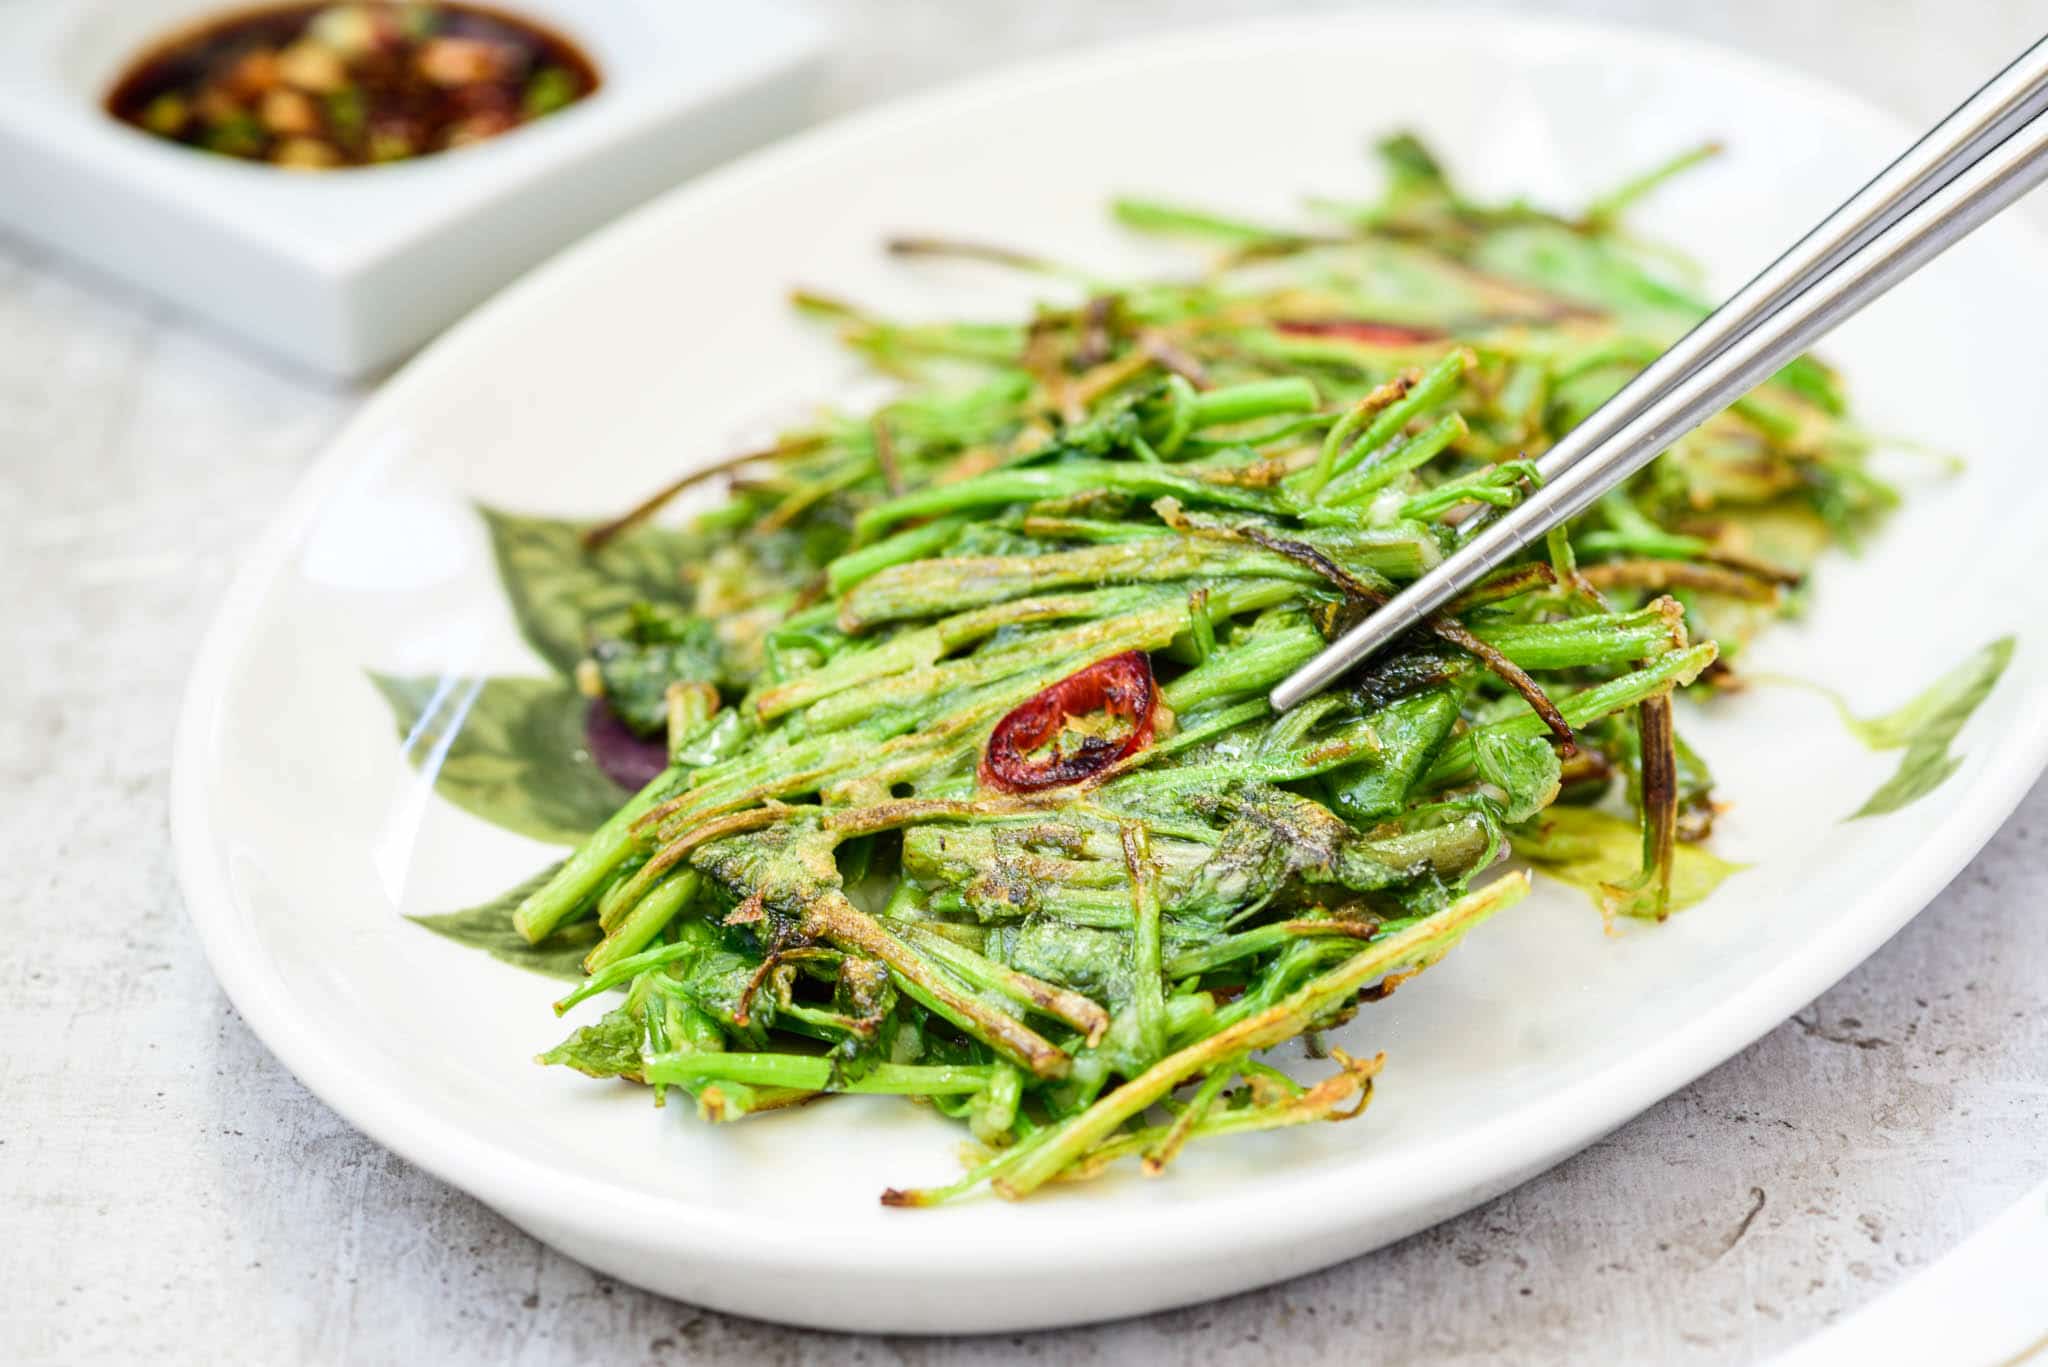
x: 1183, y: 489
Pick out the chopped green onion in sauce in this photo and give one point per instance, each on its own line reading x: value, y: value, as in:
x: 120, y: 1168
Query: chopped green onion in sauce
x: 314, y: 87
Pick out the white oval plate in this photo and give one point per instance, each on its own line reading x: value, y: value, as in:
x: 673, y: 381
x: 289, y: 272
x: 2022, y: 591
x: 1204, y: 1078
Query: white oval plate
x: 302, y: 834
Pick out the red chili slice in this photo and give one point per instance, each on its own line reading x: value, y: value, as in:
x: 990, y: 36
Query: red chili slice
x: 1366, y: 330
x: 1120, y: 686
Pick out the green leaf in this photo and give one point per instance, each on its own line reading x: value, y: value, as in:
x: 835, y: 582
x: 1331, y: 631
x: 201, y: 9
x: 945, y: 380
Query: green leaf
x: 1595, y: 851
x: 1095, y: 963
x: 1925, y: 728
x: 508, y: 750
x: 562, y: 595
x: 865, y: 991
x: 1411, y: 730
x: 658, y: 647
x: 718, y: 976
x: 610, y: 1048
x: 1524, y: 768
x: 489, y: 928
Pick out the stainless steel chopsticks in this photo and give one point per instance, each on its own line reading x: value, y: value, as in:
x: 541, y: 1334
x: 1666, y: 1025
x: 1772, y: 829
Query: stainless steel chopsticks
x: 1991, y: 151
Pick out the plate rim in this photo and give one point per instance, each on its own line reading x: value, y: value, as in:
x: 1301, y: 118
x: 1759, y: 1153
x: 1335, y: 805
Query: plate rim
x: 1309, y: 1209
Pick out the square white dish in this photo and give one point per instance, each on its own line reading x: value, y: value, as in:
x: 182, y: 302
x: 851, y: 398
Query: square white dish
x: 346, y: 272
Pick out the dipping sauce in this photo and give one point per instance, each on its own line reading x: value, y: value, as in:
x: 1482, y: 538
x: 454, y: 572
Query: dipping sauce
x: 314, y: 87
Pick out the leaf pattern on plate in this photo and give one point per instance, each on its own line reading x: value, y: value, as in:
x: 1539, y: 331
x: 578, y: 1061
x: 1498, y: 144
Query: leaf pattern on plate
x: 509, y: 750
x: 560, y: 592
x: 489, y: 927
x: 1925, y: 728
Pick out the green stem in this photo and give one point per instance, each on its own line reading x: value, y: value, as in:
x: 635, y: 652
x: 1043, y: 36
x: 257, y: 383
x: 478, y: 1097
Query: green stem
x: 1148, y: 993
x: 1251, y: 667
x: 1259, y: 399
x: 929, y: 588
x: 809, y: 1073
x: 834, y: 918
x: 1674, y: 670
x: 625, y: 969
x: 1183, y: 1127
x: 1366, y: 480
x: 1029, y: 484
x: 914, y: 544
x: 1152, y: 216
x: 1421, y: 944
x: 1071, y: 1007
x: 556, y: 900
x: 646, y: 920
x: 1586, y: 642
x: 1434, y: 386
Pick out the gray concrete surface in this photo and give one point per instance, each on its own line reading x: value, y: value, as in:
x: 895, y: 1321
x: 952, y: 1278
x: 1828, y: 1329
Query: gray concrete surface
x: 168, y: 1191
